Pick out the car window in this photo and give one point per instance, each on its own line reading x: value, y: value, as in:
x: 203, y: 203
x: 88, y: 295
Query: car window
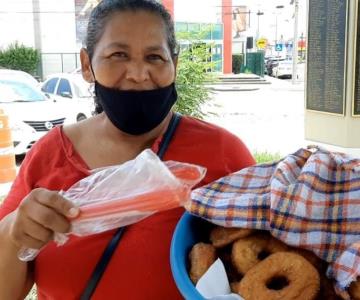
x: 64, y: 87
x: 49, y: 87
x: 15, y: 91
x: 82, y: 89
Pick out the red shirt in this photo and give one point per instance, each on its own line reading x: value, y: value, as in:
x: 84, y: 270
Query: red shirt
x: 140, y: 267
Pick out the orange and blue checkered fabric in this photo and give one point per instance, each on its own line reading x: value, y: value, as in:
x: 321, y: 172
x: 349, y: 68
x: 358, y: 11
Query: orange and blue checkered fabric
x: 309, y: 199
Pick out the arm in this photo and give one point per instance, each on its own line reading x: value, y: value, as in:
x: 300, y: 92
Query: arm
x: 31, y: 225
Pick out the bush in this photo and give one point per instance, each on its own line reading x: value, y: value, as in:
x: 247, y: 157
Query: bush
x: 237, y: 62
x: 193, y: 76
x: 20, y: 57
x: 264, y: 157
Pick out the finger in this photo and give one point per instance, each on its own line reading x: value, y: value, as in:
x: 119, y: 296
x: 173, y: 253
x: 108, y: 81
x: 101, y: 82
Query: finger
x: 48, y: 217
x: 27, y: 241
x: 38, y: 232
x: 54, y: 200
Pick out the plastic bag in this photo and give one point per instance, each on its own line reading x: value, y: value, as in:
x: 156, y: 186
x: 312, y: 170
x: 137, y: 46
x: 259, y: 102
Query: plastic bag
x: 120, y: 195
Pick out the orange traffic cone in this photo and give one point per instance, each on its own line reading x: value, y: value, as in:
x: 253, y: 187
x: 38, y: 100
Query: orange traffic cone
x: 7, y: 154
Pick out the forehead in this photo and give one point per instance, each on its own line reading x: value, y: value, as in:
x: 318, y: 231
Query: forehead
x: 134, y: 27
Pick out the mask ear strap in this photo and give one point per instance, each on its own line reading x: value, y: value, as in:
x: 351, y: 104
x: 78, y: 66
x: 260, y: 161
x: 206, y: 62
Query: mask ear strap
x: 92, y: 72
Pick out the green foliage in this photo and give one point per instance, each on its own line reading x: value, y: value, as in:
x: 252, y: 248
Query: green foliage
x: 263, y: 157
x: 20, y: 57
x: 237, y: 62
x: 194, y: 75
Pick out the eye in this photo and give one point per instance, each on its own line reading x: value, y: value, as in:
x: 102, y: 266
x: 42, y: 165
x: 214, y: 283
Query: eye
x: 119, y: 54
x: 155, y: 57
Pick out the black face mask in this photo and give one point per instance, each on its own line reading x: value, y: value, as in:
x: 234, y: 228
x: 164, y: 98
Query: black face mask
x: 136, y: 112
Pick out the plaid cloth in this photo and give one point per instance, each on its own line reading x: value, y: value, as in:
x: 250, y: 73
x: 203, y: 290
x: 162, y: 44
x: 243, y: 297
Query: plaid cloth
x: 309, y: 199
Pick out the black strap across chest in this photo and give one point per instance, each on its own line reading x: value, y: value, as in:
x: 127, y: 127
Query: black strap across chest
x: 111, y: 246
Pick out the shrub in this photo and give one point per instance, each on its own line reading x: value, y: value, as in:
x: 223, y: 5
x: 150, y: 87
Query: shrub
x: 194, y: 75
x: 237, y: 62
x: 20, y: 57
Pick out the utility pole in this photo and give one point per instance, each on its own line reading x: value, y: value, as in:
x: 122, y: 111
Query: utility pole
x: 295, y: 41
x: 259, y: 13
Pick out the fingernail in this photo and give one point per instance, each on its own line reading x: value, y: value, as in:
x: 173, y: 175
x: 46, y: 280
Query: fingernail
x: 73, y: 212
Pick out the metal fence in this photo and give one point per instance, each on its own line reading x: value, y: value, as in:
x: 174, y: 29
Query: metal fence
x: 51, y: 63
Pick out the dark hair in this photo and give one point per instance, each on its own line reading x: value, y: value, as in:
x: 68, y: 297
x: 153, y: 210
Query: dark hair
x: 106, y: 8
x: 104, y: 11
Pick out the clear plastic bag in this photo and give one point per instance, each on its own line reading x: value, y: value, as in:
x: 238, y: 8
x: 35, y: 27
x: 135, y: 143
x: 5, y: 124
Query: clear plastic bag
x: 120, y: 195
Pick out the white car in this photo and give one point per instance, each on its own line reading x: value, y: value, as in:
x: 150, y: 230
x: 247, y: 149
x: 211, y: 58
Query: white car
x: 73, y: 90
x: 31, y: 112
x: 17, y: 74
x: 284, y: 69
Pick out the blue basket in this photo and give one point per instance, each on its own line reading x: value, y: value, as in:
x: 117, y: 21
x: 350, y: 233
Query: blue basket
x: 188, y: 232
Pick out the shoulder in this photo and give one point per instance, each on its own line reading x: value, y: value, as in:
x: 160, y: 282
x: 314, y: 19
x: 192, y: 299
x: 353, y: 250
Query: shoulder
x: 217, y: 149
x: 208, y: 133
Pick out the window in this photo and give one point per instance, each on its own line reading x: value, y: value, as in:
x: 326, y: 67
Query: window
x: 49, y: 87
x: 64, y: 87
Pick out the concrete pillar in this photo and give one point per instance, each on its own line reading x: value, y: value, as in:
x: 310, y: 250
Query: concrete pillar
x: 227, y: 21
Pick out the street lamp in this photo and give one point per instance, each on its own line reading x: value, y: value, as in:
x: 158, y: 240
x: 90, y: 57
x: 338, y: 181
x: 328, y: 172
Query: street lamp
x: 259, y: 13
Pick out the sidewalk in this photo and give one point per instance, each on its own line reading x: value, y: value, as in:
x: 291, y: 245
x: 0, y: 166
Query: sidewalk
x: 270, y: 118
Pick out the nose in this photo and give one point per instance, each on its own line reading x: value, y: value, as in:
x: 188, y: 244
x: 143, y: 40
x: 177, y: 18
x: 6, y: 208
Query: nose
x: 137, y: 72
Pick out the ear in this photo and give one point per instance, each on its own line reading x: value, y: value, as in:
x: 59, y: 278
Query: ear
x: 86, y: 66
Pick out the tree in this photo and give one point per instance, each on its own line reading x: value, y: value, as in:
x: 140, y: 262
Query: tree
x: 19, y: 57
x: 194, y: 74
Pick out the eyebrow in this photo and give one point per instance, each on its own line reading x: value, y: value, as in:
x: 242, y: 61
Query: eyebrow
x: 125, y: 46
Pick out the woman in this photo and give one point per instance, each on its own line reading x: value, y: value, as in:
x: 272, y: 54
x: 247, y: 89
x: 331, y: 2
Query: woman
x: 131, y: 58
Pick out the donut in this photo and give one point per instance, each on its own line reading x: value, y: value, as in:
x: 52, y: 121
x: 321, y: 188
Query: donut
x: 201, y: 257
x: 354, y: 290
x: 280, y: 276
x: 222, y: 236
x: 316, y: 261
x: 249, y: 251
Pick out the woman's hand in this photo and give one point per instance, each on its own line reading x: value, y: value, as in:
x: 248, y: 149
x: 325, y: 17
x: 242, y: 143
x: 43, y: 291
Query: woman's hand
x: 40, y: 214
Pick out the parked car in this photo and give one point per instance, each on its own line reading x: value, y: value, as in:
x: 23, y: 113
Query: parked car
x: 73, y: 89
x: 16, y: 74
x: 284, y: 69
x: 271, y: 63
x: 31, y: 112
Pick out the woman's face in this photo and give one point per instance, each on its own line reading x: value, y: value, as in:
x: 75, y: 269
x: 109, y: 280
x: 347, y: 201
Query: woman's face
x: 133, y: 54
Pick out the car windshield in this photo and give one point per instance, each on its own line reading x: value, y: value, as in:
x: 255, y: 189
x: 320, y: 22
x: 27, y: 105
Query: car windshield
x: 16, y: 91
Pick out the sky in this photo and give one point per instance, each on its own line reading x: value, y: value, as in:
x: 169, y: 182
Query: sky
x: 210, y: 11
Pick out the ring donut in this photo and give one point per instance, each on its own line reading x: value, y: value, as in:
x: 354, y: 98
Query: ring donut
x: 282, y: 275
x: 354, y: 290
x: 249, y: 251
x: 222, y: 236
x: 201, y: 257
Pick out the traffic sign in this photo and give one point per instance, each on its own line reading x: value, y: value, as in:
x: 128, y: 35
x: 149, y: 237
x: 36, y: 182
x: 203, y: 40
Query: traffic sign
x: 278, y: 47
x: 261, y: 43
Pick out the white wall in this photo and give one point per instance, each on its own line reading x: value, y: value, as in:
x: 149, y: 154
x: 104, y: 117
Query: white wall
x: 16, y: 22
x: 57, y: 25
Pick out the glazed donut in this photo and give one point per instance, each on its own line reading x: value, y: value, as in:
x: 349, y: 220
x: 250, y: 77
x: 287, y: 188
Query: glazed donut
x: 249, y: 251
x: 280, y: 276
x: 354, y: 290
x: 201, y: 257
x: 222, y: 236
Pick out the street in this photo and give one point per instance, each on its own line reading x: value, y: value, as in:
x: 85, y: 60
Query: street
x: 268, y: 119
